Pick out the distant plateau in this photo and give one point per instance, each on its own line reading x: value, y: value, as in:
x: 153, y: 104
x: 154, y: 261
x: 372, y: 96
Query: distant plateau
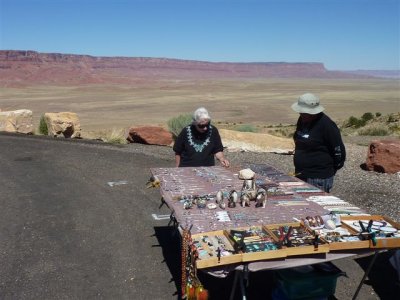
x: 27, y: 68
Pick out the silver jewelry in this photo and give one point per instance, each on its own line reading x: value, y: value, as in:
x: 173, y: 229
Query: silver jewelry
x: 198, y: 147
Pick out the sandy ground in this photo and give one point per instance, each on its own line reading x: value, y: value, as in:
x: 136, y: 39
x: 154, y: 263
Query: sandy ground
x: 257, y: 142
x: 258, y: 102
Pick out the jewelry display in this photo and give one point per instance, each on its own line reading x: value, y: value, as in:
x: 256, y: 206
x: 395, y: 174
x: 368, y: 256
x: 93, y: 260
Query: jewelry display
x: 245, y: 199
x: 373, y: 229
x: 198, y: 147
x: 232, y: 199
x: 335, y: 205
x: 212, y: 245
x: 261, y: 198
x: 295, y: 236
x: 191, y: 287
x: 216, y: 204
x: 253, y: 239
x: 184, y: 255
x: 211, y: 206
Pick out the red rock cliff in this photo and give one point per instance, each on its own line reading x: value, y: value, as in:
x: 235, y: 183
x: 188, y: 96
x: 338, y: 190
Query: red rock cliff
x: 31, y: 67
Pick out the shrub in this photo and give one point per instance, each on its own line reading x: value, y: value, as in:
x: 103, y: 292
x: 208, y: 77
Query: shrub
x: 116, y: 136
x: 394, y: 129
x: 378, y: 114
x: 367, y: 116
x: 43, y: 126
x: 176, y: 124
x: 246, y: 128
x: 283, y: 132
x: 374, y: 131
x: 354, y: 122
x: 391, y: 118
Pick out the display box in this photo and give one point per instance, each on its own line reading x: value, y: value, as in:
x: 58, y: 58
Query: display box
x: 346, y: 242
x: 296, y: 239
x: 383, y: 233
x: 341, y: 237
x: 256, y: 243
x: 215, y: 249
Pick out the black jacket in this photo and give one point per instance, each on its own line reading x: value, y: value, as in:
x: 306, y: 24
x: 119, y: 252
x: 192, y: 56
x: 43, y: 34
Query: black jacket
x: 319, y: 149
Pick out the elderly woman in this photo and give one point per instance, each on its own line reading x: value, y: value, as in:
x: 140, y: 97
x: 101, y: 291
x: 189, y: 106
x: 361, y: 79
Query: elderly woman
x: 198, y: 143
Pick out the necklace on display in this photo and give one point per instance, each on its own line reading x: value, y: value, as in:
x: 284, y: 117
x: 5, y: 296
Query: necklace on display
x: 198, y: 147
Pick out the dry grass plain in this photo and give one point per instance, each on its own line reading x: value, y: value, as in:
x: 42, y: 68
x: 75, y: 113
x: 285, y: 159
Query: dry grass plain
x: 259, y: 102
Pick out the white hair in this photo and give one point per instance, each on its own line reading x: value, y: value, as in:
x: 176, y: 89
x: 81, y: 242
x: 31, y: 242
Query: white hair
x: 201, y: 114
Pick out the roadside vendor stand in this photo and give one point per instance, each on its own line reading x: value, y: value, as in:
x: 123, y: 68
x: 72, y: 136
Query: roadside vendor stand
x: 201, y: 204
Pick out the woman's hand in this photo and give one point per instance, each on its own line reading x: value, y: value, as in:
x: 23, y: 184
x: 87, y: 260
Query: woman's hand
x: 177, y: 160
x: 224, y: 162
x: 220, y: 156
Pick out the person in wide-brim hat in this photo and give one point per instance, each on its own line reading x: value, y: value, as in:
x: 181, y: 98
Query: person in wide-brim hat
x: 319, y: 149
x: 308, y: 104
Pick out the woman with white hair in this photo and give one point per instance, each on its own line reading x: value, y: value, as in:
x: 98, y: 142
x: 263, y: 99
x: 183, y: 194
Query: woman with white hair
x: 199, y: 143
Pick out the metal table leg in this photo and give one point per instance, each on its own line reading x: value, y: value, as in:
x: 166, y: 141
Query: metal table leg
x: 237, y: 274
x: 240, y: 275
x: 366, y: 274
x: 244, y: 275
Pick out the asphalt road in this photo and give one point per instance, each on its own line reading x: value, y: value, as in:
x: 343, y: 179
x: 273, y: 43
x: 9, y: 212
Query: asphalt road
x: 67, y: 233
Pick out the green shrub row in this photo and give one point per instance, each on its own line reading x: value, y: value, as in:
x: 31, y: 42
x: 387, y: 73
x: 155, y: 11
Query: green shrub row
x: 176, y: 124
x: 361, y: 122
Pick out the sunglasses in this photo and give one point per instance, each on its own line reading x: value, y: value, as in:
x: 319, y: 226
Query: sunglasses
x: 202, y: 126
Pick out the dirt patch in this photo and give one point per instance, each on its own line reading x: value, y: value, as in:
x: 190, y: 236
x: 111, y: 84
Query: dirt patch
x: 257, y: 142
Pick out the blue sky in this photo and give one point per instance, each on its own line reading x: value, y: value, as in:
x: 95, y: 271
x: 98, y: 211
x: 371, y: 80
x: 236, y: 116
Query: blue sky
x: 342, y: 34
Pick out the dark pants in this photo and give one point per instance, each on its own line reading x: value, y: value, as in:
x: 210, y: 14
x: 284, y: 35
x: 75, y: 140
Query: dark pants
x: 323, y: 184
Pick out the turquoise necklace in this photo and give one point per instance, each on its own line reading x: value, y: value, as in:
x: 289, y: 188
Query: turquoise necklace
x: 198, y: 147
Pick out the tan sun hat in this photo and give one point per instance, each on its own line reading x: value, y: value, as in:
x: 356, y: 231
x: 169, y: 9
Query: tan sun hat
x: 308, y: 104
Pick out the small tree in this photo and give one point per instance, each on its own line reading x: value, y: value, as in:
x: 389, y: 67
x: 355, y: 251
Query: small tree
x: 43, y: 126
x: 176, y: 124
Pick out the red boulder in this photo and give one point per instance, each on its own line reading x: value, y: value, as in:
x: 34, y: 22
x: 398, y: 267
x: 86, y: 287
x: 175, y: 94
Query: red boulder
x: 384, y: 156
x: 150, y: 135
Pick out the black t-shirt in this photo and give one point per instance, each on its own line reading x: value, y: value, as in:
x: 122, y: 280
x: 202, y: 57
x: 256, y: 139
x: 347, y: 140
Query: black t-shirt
x: 197, y: 149
x: 319, y: 149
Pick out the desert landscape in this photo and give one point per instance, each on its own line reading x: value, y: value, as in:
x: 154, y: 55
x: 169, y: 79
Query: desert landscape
x: 117, y: 93
x: 260, y: 102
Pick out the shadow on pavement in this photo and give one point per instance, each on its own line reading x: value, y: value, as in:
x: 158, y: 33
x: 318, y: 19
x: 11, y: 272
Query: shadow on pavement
x: 382, y: 277
x: 168, y: 239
